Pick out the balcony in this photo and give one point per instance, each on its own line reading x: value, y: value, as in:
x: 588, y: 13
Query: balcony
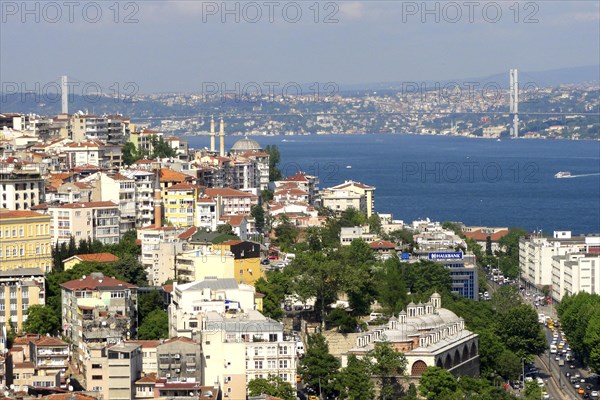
x: 49, y: 352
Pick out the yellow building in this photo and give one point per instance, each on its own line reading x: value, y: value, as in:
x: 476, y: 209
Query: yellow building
x: 246, y: 260
x: 180, y: 203
x: 25, y: 240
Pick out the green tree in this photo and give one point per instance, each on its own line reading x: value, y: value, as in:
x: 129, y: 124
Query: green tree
x: 41, y: 319
x: 357, y: 282
x: 272, y: 386
x: 386, y: 365
x: 318, y: 367
x: 148, y: 302
x: 354, y: 382
x: 258, y: 213
x: 160, y: 148
x: 274, y: 287
x: 506, y: 298
x: 130, y: 153
x: 225, y: 229
x: 521, y: 332
x: 592, y: 341
x: 426, y: 277
x: 132, y: 270
x: 286, y: 233
x: 533, y: 391
x: 342, y: 320
x: 437, y: 384
x: 155, y: 326
x: 374, y: 224
x: 391, y: 286
x: 274, y: 159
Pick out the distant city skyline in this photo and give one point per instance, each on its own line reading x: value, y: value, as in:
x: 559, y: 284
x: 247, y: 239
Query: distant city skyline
x: 181, y: 46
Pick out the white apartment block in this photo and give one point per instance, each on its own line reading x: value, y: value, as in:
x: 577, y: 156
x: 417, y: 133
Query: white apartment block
x: 94, y: 220
x: 536, y: 255
x: 578, y: 271
x: 121, y: 190
x: 21, y: 186
x: 145, y: 184
x: 243, y: 346
x: 159, y: 249
x: 192, y: 300
x: 347, y: 235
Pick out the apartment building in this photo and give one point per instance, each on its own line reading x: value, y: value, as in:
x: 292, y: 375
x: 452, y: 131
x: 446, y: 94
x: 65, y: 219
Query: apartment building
x: 121, y: 190
x: 180, y: 203
x: 243, y: 346
x: 191, y: 300
x: 95, y: 220
x: 20, y: 288
x: 124, y: 369
x: 21, y: 185
x: 301, y: 181
x: 160, y: 246
x: 577, y: 271
x: 97, y: 309
x: 246, y: 256
x: 350, y: 194
x: 49, y: 355
x: 179, y: 360
x: 536, y: 253
x: 83, y: 153
x: 196, y: 265
x: 208, y: 213
x: 149, y: 357
x: 25, y: 240
x: 347, y: 235
x: 232, y: 201
x: 145, y: 185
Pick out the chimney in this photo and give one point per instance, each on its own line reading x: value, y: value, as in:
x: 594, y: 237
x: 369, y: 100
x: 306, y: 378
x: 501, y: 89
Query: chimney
x: 212, y: 134
x: 157, y: 202
x: 222, y: 139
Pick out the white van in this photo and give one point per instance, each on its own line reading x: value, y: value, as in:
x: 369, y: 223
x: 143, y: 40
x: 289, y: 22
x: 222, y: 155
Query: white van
x: 552, y: 349
x: 375, y: 315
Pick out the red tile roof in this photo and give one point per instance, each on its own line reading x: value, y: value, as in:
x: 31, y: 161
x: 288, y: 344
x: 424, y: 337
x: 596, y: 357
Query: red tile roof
x: 184, y: 186
x: 49, y: 341
x: 299, y: 177
x: 96, y: 257
x: 480, y: 236
x: 92, y: 204
x: 382, y: 244
x: 94, y: 282
x: 168, y: 175
x: 233, y: 220
x: 227, y: 192
x: 19, y: 214
x: 147, y: 344
x: 188, y: 233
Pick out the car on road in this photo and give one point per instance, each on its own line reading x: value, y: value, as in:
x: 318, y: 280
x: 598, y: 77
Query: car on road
x: 594, y: 394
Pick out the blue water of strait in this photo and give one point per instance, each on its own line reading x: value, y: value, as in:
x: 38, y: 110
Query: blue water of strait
x: 476, y: 181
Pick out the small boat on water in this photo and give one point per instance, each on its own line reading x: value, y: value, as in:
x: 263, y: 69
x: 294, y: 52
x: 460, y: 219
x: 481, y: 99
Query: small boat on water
x: 348, y: 166
x: 562, y: 174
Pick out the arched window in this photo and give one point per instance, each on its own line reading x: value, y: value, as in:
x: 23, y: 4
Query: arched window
x: 456, y: 357
x: 448, y: 362
x: 473, y: 350
x: 418, y: 368
x: 465, y: 351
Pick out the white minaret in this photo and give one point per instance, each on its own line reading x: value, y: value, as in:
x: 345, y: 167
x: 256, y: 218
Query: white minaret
x: 212, y: 134
x: 222, y: 139
x: 64, y: 88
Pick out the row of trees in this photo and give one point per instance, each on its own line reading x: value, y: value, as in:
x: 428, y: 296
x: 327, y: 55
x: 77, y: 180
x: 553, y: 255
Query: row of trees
x: 580, y: 321
x: 160, y: 149
x: 352, y: 270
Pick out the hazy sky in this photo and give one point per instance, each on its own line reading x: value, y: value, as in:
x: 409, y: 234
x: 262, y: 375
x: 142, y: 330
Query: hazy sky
x: 183, y: 45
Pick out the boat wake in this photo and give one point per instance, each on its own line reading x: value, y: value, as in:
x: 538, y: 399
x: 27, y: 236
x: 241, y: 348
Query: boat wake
x: 580, y: 175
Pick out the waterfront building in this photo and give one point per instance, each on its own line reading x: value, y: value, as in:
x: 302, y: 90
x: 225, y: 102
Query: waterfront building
x: 350, y: 194
x: 536, y: 254
x: 347, y: 235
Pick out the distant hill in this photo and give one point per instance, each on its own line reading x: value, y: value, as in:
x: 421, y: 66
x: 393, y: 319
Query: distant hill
x: 554, y: 77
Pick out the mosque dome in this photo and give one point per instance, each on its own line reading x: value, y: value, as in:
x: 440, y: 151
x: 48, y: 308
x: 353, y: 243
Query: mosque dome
x: 246, y: 144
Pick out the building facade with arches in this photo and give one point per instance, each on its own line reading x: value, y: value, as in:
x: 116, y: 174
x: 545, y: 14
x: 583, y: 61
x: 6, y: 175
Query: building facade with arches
x: 428, y: 335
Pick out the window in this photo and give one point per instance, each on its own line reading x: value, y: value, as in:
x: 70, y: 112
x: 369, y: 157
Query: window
x: 21, y: 232
x: 283, y: 363
x: 258, y: 364
x: 193, y: 324
x: 117, y: 295
x: 95, y: 377
x: 283, y: 350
